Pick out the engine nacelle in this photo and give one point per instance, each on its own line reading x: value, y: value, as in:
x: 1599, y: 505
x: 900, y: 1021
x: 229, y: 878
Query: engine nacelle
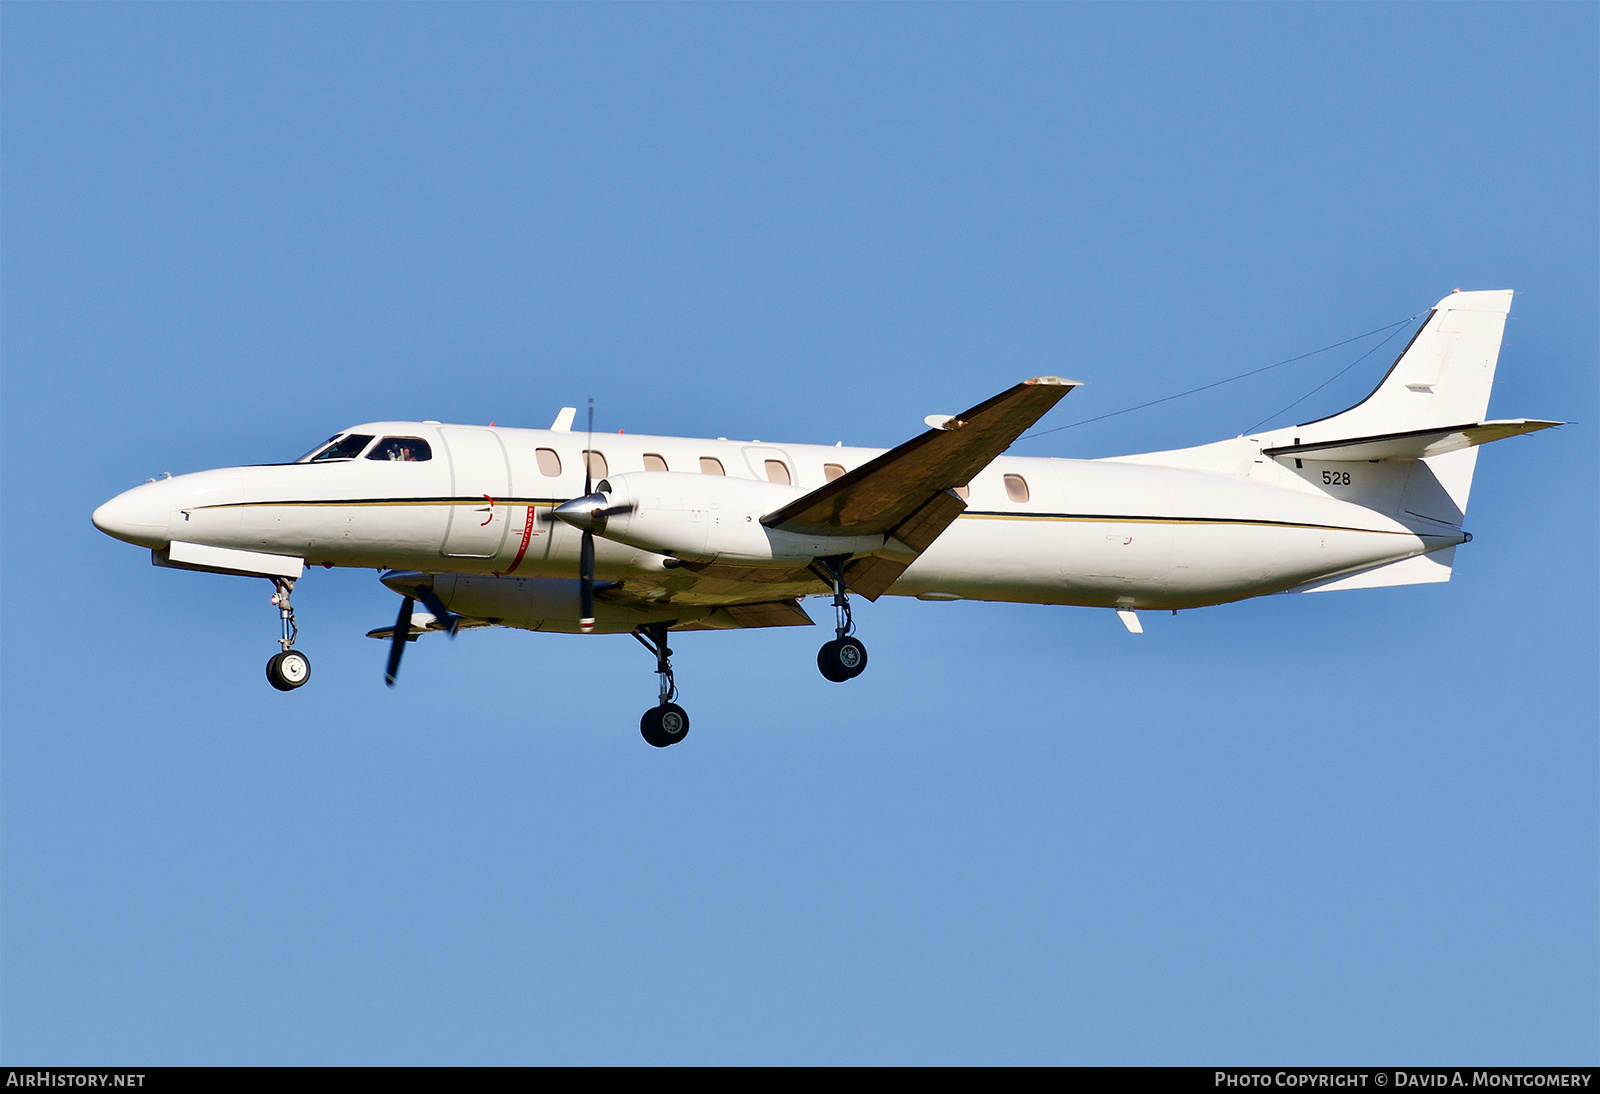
x: 712, y: 518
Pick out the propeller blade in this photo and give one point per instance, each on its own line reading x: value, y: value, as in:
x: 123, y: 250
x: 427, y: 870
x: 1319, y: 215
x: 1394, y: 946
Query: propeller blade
x: 431, y: 601
x: 586, y: 584
x: 402, y: 631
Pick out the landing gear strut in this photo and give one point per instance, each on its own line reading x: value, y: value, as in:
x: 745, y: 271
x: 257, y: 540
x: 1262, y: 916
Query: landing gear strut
x: 845, y: 657
x: 291, y: 668
x: 666, y: 723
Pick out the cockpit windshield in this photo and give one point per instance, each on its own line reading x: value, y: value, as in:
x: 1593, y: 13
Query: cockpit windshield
x: 347, y: 447
x: 307, y: 457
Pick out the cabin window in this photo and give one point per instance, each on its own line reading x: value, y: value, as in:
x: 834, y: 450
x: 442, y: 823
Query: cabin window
x: 965, y: 492
x: 346, y: 449
x: 401, y: 450
x: 1016, y: 488
x: 831, y: 471
x: 778, y: 471
x: 653, y: 462
x: 597, y: 464
x: 549, y: 462
x: 710, y: 465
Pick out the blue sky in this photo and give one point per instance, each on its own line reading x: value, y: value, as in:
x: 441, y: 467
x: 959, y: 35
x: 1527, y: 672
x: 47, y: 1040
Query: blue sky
x: 1345, y: 828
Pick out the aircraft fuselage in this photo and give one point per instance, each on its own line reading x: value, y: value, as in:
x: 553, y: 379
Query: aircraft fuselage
x: 1098, y: 533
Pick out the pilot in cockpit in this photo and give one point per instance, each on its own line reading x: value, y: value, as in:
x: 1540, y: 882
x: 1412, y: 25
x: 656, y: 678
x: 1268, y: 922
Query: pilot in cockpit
x: 400, y: 449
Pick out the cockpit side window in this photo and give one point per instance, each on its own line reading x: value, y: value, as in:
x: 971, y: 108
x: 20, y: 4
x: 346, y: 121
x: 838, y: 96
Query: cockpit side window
x: 401, y: 449
x: 347, y: 447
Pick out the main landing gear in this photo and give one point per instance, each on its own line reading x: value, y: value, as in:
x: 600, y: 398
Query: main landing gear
x: 845, y: 657
x: 665, y: 723
x: 291, y: 668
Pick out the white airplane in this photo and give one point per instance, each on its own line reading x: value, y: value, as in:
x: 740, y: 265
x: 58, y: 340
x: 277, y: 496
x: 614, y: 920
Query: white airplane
x: 544, y: 530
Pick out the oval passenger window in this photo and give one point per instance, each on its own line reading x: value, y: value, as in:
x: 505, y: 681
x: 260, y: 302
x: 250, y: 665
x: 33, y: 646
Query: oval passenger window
x: 831, y: 471
x: 710, y: 465
x: 653, y: 462
x: 549, y: 463
x: 597, y: 464
x: 777, y: 471
x: 1016, y: 488
x: 965, y: 492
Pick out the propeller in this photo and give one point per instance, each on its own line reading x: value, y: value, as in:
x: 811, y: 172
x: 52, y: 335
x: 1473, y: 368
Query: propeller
x: 588, y: 514
x: 402, y: 633
x: 586, y: 551
x: 431, y: 601
x: 402, y: 625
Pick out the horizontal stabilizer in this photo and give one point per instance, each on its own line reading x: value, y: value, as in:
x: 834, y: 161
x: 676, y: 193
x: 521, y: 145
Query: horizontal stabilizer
x: 1412, y: 445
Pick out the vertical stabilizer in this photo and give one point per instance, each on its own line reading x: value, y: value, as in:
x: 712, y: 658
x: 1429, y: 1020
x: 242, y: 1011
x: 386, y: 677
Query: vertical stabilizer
x: 1442, y: 379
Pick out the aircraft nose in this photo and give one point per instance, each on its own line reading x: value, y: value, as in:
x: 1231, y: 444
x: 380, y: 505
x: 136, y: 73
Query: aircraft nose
x: 139, y: 515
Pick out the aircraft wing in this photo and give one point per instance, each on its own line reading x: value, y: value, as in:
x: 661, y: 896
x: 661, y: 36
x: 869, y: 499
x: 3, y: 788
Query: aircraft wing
x: 906, y: 493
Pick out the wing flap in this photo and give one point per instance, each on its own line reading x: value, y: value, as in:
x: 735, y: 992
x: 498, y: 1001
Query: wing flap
x: 775, y: 613
x: 871, y: 576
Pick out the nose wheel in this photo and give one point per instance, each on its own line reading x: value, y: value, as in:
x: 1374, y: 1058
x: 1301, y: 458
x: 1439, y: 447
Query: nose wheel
x: 288, y: 670
x: 291, y: 668
x: 666, y: 723
x: 845, y: 657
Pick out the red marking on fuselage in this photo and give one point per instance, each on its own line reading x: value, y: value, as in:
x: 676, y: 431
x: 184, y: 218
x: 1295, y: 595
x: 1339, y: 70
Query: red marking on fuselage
x: 527, y: 534
x: 490, y: 517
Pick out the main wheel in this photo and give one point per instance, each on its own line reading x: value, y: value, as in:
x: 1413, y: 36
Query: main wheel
x: 287, y: 671
x: 842, y: 659
x: 664, y: 725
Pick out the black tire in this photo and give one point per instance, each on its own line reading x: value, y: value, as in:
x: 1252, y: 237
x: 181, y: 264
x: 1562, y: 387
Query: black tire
x: 664, y: 725
x: 842, y: 659
x: 828, y: 664
x: 288, y: 670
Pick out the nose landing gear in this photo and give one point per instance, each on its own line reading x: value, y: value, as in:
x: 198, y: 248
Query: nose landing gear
x: 845, y: 657
x: 291, y: 668
x: 666, y: 723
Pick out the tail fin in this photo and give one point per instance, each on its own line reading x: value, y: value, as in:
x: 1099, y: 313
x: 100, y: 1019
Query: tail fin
x: 1417, y: 433
x: 1440, y: 382
x: 1443, y: 378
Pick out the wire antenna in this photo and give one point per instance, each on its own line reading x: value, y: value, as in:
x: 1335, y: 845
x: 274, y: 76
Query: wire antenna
x: 1393, y: 328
